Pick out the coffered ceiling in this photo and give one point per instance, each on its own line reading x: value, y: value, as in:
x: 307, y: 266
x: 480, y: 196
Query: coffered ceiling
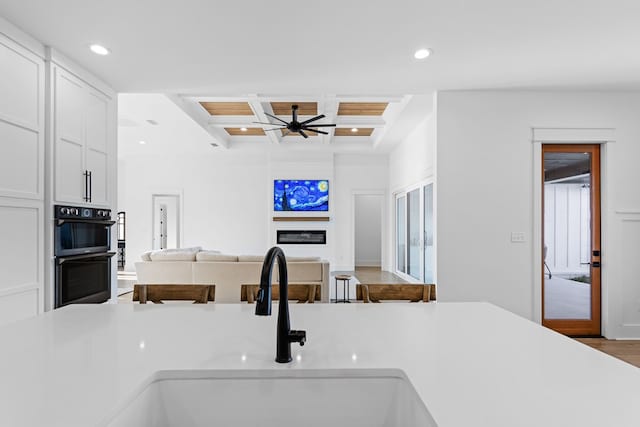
x: 191, y: 49
x: 361, y: 122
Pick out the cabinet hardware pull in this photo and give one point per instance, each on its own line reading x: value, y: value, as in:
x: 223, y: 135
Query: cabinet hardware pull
x: 85, y: 196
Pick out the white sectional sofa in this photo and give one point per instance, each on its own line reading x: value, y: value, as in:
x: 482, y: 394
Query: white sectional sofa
x: 227, y: 272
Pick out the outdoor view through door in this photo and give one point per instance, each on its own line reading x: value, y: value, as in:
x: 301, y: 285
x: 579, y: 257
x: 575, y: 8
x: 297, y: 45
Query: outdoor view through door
x: 571, y: 238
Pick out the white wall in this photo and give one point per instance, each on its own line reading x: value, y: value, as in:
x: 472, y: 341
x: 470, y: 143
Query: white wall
x: 414, y: 159
x: 368, y: 229
x: 224, y: 201
x: 227, y: 199
x: 485, y: 191
x: 357, y: 174
x: 412, y: 162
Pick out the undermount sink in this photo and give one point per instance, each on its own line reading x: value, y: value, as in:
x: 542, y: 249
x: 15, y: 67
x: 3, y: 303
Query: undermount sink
x: 335, y: 398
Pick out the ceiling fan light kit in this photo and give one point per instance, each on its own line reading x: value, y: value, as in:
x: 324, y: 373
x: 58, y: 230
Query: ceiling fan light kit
x: 298, y: 127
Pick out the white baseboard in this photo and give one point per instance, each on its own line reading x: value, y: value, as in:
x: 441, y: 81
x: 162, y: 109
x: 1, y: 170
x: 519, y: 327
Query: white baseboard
x: 368, y: 263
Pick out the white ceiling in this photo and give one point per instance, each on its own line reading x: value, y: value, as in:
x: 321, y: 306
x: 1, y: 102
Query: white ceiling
x: 342, y: 47
x: 362, y: 48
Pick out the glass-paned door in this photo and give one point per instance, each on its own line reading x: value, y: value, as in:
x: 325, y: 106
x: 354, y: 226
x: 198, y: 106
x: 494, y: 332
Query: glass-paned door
x: 571, y: 238
x: 414, y: 232
x: 415, y: 242
x: 429, y: 254
x: 401, y: 234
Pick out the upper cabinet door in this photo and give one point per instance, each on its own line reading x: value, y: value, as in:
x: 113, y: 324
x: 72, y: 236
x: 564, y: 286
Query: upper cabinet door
x: 21, y: 122
x: 70, y: 101
x: 96, y: 121
x: 84, y: 142
x: 70, y: 96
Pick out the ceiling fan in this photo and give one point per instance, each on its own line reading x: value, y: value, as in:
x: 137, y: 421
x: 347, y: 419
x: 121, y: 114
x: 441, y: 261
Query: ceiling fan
x: 295, y: 126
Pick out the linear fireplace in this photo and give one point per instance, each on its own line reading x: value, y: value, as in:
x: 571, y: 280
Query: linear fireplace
x: 302, y: 237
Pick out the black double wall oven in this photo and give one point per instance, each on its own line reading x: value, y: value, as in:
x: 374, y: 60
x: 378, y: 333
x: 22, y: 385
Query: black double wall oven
x: 82, y: 243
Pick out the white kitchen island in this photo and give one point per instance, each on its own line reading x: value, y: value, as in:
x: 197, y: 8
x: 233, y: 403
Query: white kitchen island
x: 472, y: 364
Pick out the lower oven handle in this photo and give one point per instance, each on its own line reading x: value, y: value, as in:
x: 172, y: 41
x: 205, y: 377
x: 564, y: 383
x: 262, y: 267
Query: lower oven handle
x: 63, y: 259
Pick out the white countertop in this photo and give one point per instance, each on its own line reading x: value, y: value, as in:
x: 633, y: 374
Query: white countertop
x: 473, y: 364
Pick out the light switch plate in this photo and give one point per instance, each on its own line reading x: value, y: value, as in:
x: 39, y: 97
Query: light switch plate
x: 517, y: 237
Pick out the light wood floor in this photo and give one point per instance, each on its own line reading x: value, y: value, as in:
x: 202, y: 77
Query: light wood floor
x: 627, y: 350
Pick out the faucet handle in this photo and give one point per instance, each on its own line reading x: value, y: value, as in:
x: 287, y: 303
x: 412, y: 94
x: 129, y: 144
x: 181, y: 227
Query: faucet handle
x: 298, y: 336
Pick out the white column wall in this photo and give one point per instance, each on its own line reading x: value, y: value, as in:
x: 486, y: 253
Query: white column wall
x: 412, y: 162
x: 358, y: 174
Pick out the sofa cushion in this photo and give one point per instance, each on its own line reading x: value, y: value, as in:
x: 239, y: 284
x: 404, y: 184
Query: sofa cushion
x: 215, y: 256
x: 303, y: 259
x: 180, y: 254
x: 251, y: 258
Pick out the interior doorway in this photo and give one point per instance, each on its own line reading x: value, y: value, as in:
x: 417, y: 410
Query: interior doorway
x: 166, y: 221
x: 571, y: 288
x: 368, y: 230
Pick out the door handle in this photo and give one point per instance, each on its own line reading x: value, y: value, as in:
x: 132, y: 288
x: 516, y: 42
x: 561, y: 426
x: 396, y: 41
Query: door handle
x: 90, y: 186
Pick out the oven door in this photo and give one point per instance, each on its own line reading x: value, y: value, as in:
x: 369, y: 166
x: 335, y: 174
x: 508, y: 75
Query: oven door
x: 83, y: 279
x: 76, y: 237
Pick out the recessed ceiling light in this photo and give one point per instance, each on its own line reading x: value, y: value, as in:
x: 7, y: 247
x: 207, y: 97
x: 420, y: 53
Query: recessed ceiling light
x: 143, y: 142
x: 243, y: 129
x: 99, y: 50
x: 354, y: 129
x: 422, y: 53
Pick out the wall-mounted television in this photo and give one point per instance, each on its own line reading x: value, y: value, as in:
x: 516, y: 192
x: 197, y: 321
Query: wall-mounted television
x: 301, y: 195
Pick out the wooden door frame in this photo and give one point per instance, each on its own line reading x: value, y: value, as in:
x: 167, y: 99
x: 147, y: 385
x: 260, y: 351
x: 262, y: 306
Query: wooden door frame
x: 593, y: 326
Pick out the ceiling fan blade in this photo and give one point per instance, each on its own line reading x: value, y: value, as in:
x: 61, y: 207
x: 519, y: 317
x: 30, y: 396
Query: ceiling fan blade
x: 301, y: 132
x: 286, y: 133
x: 264, y: 123
x: 317, y: 131
x: 266, y: 130
x: 324, y: 125
x: 321, y: 116
x: 277, y: 118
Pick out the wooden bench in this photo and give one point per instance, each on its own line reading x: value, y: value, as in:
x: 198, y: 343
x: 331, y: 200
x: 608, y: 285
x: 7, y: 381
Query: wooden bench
x: 300, y: 292
x: 413, y: 292
x: 200, y: 294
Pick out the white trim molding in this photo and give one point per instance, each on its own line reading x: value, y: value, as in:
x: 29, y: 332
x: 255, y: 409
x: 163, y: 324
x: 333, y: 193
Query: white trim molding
x: 573, y: 135
x: 541, y: 135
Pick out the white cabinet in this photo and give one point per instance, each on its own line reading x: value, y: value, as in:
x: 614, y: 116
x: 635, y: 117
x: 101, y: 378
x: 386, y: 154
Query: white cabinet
x: 22, y: 180
x: 83, y: 144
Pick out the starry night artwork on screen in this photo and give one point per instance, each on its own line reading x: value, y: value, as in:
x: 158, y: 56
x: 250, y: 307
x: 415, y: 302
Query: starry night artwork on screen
x: 300, y: 195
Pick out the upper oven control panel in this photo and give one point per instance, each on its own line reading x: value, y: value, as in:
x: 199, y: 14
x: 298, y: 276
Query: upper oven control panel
x: 75, y: 212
